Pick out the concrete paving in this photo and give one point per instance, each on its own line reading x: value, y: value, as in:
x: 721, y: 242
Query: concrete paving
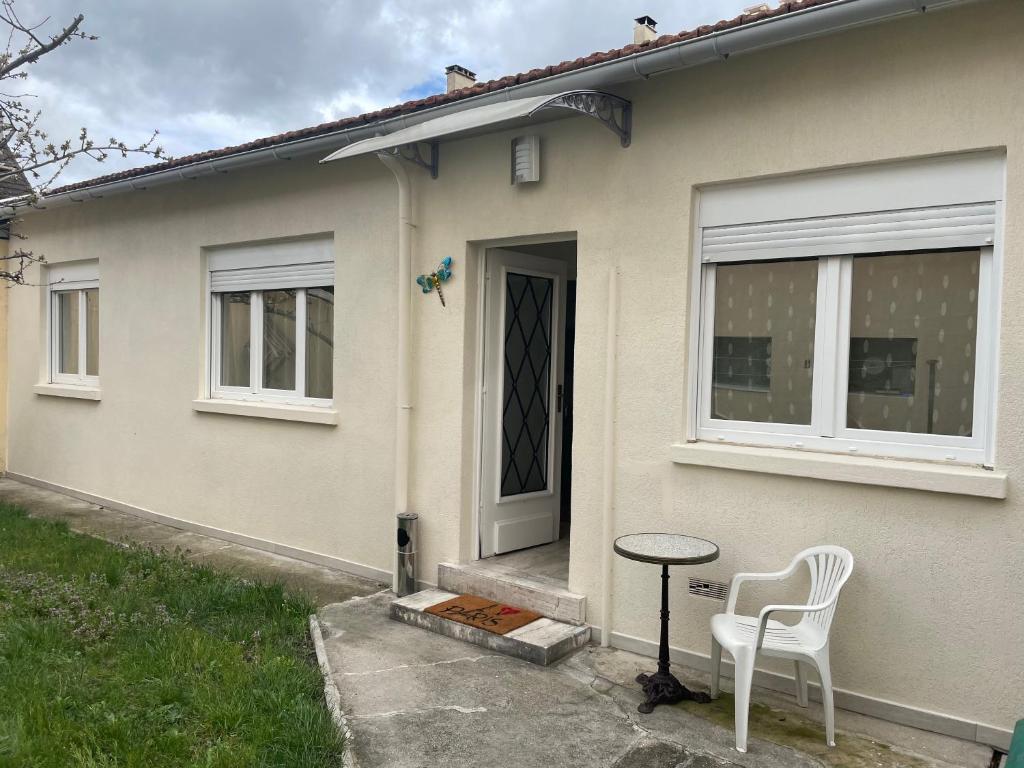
x: 322, y: 585
x: 414, y: 699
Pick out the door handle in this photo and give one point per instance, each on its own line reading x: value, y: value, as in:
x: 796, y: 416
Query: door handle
x: 559, y: 398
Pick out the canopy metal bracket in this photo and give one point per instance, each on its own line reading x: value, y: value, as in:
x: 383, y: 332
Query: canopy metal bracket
x: 414, y: 153
x: 613, y: 112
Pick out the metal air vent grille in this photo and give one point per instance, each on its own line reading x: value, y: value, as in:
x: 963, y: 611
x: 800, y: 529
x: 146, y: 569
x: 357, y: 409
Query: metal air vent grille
x: 714, y: 590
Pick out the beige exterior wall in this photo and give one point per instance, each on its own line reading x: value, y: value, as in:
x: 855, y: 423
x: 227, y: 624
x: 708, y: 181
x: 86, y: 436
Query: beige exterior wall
x: 4, y: 292
x: 933, y: 617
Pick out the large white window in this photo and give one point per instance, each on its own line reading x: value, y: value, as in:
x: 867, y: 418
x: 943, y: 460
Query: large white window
x: 272, y: 322
x: 837, y: 328
x: 73, y: 296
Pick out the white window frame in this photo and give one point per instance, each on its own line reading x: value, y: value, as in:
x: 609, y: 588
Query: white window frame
x: 256, y: 392
x: 827, y: 431
x: 74, y: 278
x: 274, y: 266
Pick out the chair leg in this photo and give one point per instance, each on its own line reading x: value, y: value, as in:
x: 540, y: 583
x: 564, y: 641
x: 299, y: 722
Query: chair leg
x: 801, y: 683
x: 744, y: 659
x: 825, y: 672
x: 716, y: 666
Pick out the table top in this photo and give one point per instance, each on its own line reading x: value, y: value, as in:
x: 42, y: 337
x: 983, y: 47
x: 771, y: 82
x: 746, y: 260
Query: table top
x: 666, y: 548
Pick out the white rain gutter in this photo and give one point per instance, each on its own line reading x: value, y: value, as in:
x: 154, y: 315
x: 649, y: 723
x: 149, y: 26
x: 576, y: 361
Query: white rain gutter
x: 608, y: 502
x: 799, y: 25
x: 403, y: 397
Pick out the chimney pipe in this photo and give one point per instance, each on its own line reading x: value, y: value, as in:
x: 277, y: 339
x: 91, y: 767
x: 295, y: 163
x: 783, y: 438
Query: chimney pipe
x: 459, y: 77
x: 643, y: 30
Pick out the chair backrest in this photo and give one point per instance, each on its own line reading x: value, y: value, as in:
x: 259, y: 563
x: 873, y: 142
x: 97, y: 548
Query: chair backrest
x: 830, y: 567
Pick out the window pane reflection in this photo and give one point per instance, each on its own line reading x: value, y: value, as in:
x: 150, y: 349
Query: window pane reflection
x: 279, y: 339
x: 913, y: 328
x: 764, y: 341
x: 234, y: 345
x: 67, y: 313
x: 92, y: 331
x: 319, y: 342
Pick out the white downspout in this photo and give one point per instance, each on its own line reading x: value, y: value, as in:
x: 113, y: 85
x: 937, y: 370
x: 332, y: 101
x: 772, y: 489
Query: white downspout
x: 607, y: 511
x: 403, y: 400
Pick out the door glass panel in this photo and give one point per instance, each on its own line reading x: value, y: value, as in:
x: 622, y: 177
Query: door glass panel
x: 67, y: 314
x: 319, y: 342
x: 92, y: 331
x: 279, y: 339
x: 234, y: 339
x: 525, y: 423
x: 913, y: 329
x: 763, y: 352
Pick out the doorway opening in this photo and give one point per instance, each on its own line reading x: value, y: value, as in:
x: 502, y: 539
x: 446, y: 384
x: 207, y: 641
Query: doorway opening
x: 529, y: 324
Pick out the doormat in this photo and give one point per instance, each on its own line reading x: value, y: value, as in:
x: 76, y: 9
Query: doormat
x: 485, y: 614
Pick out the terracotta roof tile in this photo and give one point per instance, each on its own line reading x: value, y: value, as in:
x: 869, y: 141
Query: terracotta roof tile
x: 416, y: 105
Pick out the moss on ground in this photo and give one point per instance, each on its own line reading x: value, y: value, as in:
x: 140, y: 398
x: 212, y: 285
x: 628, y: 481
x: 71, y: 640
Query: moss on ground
x: 793, y: 730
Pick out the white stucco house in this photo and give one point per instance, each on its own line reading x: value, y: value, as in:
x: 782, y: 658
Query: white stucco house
x: 760, y: 282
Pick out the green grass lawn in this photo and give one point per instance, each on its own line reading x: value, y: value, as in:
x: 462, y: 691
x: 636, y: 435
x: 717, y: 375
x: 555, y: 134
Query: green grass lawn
x: 113, y: 656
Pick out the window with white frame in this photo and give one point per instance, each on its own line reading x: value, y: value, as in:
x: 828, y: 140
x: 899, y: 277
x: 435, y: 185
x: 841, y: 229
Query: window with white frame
x: 859, y: 331
x: 272, y: 322
x: 73, y: 295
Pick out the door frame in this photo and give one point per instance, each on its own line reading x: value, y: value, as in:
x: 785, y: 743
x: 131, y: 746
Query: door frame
x: 478, y: 252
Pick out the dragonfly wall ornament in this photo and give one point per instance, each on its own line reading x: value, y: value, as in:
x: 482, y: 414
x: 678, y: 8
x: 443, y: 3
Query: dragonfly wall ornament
x: 440, y: 275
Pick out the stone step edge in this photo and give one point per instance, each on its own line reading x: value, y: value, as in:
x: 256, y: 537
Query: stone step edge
x: 514, y: 588
x: 542, y: 642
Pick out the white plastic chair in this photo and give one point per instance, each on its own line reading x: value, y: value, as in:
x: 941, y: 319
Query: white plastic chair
x: 805, y: 643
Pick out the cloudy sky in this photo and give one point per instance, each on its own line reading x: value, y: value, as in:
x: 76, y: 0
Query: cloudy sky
x: 210, y: 73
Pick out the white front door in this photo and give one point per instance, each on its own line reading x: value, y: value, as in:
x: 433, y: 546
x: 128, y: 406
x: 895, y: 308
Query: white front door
x: 522, y: 399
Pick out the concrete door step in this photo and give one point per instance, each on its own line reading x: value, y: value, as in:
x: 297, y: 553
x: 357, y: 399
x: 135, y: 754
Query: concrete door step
x: 543, y: 641
x: 542, y: 594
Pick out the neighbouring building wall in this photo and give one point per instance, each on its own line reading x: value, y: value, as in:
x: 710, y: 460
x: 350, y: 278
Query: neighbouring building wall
x: 932, y: 618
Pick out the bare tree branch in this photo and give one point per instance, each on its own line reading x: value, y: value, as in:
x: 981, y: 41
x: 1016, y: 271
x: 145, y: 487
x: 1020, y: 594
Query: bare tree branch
x: 31, y: 161
x: 41, y: 48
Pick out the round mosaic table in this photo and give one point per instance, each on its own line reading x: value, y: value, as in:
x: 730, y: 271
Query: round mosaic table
x: 665, y: 549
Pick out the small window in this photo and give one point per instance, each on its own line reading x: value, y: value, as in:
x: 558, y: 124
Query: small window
x: 74, y: 338
x: 273, y: 341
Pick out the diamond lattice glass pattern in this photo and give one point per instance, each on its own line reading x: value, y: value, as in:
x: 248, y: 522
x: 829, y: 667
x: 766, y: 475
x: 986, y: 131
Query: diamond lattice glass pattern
x: 764, y: 310
x: 525, y: 423
x: 913, y: 329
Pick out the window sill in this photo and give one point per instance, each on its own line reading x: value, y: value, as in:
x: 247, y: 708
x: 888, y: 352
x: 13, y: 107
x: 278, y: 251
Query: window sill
x: 307, y: 414
x: 74, y: 391
x: 865, y: 470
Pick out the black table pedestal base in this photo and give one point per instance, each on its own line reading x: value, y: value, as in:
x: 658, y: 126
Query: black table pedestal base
x: 664, y: 688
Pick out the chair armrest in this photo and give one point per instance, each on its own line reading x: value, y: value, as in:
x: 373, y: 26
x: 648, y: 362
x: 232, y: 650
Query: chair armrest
x: 739, y: 578
x: 768, y: 610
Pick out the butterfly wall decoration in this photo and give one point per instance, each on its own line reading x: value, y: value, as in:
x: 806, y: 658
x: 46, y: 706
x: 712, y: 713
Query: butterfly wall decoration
x: 433, y: 281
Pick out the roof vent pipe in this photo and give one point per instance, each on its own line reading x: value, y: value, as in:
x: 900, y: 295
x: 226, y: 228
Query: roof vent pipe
x: 459, y: 77
x: 644, y: 29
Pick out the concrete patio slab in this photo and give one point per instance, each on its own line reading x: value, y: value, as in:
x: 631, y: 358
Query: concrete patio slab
x: 321, y: 584
x: 414, y: 699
